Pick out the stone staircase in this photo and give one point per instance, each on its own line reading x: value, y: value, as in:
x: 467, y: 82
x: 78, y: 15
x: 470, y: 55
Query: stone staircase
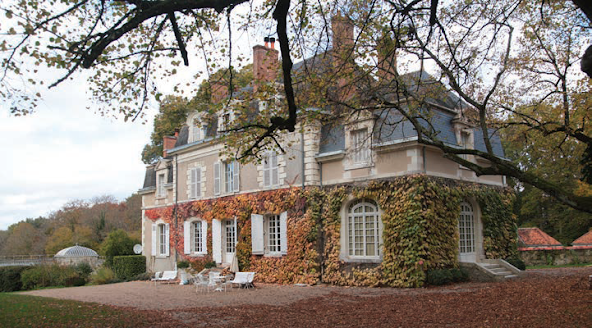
x: 492, y: 270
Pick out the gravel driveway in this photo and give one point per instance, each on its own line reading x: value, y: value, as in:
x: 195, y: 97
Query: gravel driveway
x: 144, y: 295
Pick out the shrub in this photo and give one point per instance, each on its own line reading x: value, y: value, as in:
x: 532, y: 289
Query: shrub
x: 211, y: 264
x: 439, y: 277
x: 127, y: 267
x: 183, y: 265
x: 518, y: 263
x: 459, y: 275
x: 84, y: 269
x: 117, y: 243
x: 51, y: 276
x: 10, y: 278
x: 103, y: 275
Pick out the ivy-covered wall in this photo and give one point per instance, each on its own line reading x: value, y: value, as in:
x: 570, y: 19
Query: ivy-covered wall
x: 419, y: 216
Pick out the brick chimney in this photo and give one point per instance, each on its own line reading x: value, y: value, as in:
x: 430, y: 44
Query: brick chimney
x: 265, y: 62
x: 219, y: 91
x: 343, y: 32
x: 387, y: 59
x: 168, y: 142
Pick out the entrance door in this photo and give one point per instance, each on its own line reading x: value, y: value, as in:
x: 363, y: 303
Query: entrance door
x: 228, y: 240
x: 466, y: 229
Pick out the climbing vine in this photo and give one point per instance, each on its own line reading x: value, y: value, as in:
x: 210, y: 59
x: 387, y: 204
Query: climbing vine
x: 419, y: 217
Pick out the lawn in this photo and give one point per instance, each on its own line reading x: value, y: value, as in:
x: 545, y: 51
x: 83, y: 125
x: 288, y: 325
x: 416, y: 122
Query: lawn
x: 32, y: 311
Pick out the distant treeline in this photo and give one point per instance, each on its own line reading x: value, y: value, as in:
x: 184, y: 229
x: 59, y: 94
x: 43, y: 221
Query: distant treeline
x: 82, y: 222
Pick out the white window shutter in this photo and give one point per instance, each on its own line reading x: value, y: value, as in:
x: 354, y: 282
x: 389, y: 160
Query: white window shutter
x: 204, y: 236
x: 217, y: 240
x: 187, y: 237
x: 197, y: 172
x: 236, y: 177
x: 284, y: 232
x: 154, y: 238
x: 217, y: 178
x: 274, y: 170
x: 166, y: 230
x: 266, y: 172
x: 192, y: 187
x: 257, y: 234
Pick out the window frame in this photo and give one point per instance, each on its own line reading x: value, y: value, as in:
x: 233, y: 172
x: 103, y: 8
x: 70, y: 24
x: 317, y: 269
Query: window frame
x: 261, y: 231
x: 189, y: 237
x: 360, y: 147
x: 348, y: 248
x: 160, y: 239
x: 271, y: 171
x: 161, y: 182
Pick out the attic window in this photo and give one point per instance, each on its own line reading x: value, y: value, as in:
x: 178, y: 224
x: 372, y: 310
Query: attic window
x: 360, y: 147
x: 198, y: 131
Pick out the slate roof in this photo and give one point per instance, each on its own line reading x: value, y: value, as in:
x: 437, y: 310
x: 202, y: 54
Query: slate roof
x: 149, y: 178
x: 584, y: 240
x: 535, y: 237
x: 76, y: 251
x: 391, y: 127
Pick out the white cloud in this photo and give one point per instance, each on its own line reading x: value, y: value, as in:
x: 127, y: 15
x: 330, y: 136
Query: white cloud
x: 63, y: 152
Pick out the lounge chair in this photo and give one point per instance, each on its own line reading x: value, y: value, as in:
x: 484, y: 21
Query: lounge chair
x: 167, y: 276
x: 244, y: 279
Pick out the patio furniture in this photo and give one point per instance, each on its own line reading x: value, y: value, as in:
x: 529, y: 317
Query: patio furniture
x: 244, y: 279
x: 201, y: 283
x: 216, y: 282
x: 167, y: 276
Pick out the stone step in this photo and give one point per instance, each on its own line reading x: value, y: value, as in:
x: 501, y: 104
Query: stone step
x: 511, y: 276
x: 499, y: 270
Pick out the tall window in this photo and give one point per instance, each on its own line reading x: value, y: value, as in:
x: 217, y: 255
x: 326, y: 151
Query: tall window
x: 363, y: 230
x: 230, y: 235
x: 273, y: 233
x: 231, y: 181
x: 270, y: 170
x: 360, y: 146
x: 162, y: 239
x: 161, y: 181
x: 197, y: 237
x: 466, y: 228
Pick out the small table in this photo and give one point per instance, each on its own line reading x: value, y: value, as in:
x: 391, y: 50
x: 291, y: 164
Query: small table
x: 219, y: 282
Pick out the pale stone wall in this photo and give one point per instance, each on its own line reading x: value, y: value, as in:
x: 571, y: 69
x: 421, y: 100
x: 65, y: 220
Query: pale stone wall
x: 564, y: 256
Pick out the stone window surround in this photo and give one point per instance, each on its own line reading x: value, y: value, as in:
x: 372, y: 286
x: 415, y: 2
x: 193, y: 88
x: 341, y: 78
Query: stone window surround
x: 202, y: 166
x: 344, y: 250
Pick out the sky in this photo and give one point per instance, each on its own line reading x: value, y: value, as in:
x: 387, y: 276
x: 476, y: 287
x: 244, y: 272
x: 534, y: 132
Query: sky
x: 64, y: 152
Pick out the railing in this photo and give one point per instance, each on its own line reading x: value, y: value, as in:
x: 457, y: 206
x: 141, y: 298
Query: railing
x: 20, y: 260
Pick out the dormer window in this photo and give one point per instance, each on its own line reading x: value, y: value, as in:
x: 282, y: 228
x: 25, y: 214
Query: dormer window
x: 160, y: 185
x: 198, y: 131
x: 465, y: 141
x: 360, y: 147
x: 226, y: 121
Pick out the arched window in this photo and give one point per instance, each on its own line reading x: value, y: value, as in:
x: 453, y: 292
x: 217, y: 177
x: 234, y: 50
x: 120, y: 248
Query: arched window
x: 363, y: 229
x: 466, y: 229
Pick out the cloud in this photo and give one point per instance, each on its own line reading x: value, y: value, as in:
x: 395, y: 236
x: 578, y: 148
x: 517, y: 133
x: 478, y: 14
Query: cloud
x: 63, y: 152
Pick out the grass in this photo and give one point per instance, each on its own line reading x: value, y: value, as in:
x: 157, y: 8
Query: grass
x: 557, y: 266
x: 32, y: 311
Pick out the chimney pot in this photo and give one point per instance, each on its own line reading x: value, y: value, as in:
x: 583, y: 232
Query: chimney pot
x: 272, y: 42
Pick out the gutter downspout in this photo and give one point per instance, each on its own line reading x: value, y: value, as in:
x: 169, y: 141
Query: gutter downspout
x: 176, y: 202
x: 303, y: 155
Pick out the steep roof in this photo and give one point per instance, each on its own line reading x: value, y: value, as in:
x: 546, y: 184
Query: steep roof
x: 585, y: 239
x: 535, y: 237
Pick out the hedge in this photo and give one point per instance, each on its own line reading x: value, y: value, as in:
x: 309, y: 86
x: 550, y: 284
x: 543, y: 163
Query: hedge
x: 10, y: 278
x: 127, y: 267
